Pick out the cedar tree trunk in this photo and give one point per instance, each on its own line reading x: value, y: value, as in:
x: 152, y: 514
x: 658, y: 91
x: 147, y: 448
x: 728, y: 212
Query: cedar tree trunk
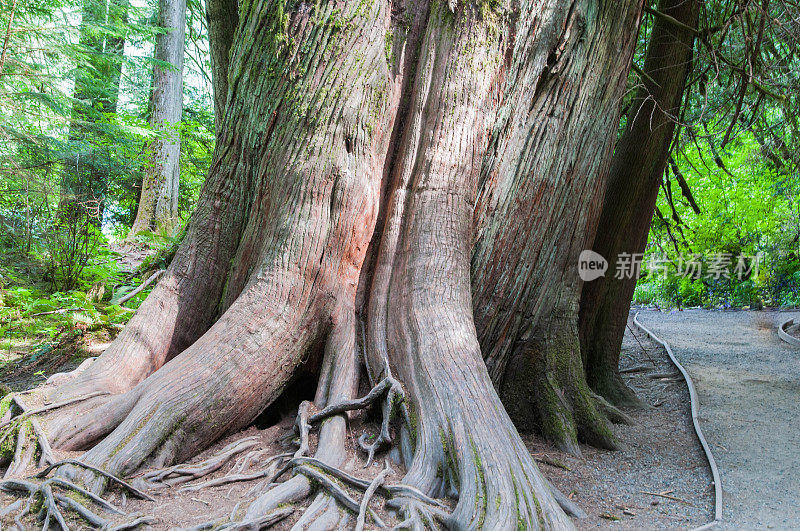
x: 223, y: 17
x: 635, y: 176
x: 158, y: 201
x: 339, y: 227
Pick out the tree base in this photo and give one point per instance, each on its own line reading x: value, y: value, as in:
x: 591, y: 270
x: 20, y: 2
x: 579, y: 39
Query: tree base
x: 548, y: 392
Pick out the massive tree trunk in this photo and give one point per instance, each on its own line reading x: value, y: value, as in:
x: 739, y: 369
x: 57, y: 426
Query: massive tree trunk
x: 537, y: 210
x: 338, y: 224
x: 635, y: 176
x: 158, y: 200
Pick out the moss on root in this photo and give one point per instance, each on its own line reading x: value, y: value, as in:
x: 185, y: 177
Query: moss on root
x: 548, y: 392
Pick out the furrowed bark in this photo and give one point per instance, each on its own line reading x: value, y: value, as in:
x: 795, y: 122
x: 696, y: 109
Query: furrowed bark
x: 460, y: 441
x: 313, y: 170
x: 633, y: 182
x: 185, y: 302
x: 158, y: 202
x: 467, y: 98
x: 537, y: 209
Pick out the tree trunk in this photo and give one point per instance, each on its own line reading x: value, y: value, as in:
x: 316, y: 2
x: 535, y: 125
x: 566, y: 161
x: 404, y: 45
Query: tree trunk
x: 158, y: 201
x: 537, y: 210
x: 340, y: 216
x: 634, y: 179
x: 223, y: 18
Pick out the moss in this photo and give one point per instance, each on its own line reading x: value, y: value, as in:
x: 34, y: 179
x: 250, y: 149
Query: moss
x: 132, y: 434
x: 5, y: 404
x: 8, y: 444
x: 388, y: 41
x: 451, y: 463
x: 481, y: 499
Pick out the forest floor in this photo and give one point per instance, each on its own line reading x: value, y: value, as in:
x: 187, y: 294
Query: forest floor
x: 661, y: 456
x: 748, y: 382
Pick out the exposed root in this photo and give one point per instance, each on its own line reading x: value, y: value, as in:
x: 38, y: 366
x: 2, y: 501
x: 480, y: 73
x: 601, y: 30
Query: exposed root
x: 417, y: 515
x: 61, y: 378
x: 400, y: 490
x: 337, y: 492
x: 611, y: 412
x: 373, y: 486
x: 238, y: 477
x: 183, y: 473
x: 43, y: 495
x: 302, y: 427
x: 261, y: 522
x: 133, y: 524
x: 133, y: 490
x: 388, y: 389
x: 20, y: 421
x: 30, y: 412
x: 569, y: 506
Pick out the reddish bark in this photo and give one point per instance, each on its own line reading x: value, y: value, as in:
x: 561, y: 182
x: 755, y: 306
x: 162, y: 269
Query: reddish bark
x: 330, y: 120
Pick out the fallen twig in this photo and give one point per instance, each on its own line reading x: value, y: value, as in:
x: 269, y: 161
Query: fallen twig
x: 133, y: 490
x: 667, y: 496
x: 142, y: 286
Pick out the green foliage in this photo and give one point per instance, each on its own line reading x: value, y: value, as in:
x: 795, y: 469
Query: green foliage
x: 747, y: 208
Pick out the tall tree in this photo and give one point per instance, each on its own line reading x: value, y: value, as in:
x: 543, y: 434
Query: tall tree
x: 158, y: 201
x: 339, y: 224
x: 223, y: 18
x: 635, y: 176
x: 96, y: 92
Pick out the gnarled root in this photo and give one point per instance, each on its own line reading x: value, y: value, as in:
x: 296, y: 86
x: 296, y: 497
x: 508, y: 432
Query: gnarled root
x: 179, y: 474
x: 53, y: 494
x: 21, y: 430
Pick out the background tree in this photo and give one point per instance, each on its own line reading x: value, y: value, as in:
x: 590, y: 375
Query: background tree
x: 223, y: 18
x: 634, y: 181
x: 95, y: 96
x: 158, y: 202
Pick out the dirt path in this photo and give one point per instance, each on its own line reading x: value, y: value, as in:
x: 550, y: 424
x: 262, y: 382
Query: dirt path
x: 748, y: 382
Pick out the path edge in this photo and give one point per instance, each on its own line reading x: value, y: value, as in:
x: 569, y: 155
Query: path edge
x: 695, y: 407
x: 783, y: 334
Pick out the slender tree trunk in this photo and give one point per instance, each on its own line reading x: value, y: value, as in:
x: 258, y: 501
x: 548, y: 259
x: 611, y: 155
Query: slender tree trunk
x: 158, y: 201
x: 223, y: 18
x: 340, y: 214
x: 634, y: 179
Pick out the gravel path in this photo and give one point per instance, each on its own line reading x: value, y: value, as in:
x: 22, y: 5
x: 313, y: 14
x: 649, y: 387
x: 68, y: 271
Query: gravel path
x: 748, y: 382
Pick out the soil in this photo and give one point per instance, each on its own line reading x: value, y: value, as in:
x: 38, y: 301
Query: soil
x: 661, y: 455
x: 748, y: 382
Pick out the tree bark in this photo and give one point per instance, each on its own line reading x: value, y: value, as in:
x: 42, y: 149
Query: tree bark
x: 629, y: 202
x: 223, y: 18
x: 340, y: 214
x: 537, y: 210
x: 158, y: 201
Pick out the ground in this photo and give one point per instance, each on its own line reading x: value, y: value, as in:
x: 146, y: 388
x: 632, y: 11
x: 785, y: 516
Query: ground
x: 661, y: 455
x: 748, y: 382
